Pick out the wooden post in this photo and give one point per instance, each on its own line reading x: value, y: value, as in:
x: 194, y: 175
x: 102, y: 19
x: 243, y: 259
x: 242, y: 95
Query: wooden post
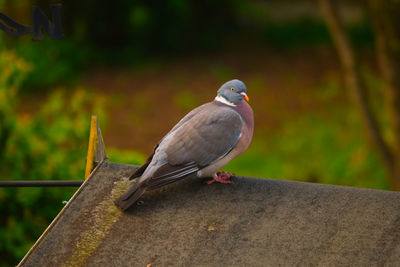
x: 89, y: 159
x: 96, y: 151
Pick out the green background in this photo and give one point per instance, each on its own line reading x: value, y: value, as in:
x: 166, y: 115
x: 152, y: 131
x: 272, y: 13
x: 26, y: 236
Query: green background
x: 142, y: 65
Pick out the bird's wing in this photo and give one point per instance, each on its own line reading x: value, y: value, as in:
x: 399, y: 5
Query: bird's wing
x: 206, y: 137
x: 191, y: 114
x: 187, y: 117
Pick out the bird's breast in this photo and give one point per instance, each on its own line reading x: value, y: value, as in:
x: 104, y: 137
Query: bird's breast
x: 247, y: 115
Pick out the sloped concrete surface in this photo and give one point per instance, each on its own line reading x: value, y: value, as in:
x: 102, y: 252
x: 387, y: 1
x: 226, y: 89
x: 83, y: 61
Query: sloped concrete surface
x: 254, y: 222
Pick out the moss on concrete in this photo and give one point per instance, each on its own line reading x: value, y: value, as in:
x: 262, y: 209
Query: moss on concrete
x: 105, y: 215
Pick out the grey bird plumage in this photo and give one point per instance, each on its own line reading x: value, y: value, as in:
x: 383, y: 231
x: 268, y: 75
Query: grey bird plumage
x: 204, y: 141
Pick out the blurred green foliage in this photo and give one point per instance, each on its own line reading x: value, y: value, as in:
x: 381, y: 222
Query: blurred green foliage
x: 125, y: 156
x: 326, y: 147
x: 315, y: 149
x: 51, y: 142
x: 55, y: 64
x: 135, y: 32
x: 186, y: 100
x: 49, y: 145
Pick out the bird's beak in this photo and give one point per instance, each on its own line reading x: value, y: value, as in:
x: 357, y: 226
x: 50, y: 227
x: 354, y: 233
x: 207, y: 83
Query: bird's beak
x: 245, y: 97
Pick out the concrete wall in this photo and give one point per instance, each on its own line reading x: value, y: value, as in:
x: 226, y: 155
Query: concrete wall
x: 254, y: 222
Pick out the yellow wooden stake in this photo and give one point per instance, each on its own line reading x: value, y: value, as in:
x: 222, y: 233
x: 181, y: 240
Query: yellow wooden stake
x: 92, y: 140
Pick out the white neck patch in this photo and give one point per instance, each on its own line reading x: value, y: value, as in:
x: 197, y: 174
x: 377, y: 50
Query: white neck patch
x: 223, y: 100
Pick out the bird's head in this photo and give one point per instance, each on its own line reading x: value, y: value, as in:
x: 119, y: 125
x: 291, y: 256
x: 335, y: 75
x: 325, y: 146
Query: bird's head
x: 233, y: 91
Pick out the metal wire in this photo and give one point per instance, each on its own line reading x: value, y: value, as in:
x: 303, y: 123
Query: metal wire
x: 43, y: 183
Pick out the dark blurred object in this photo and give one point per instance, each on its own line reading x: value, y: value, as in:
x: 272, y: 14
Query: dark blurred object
x: 135, y: 32
x: 40, y: 22
x: 152, y: 26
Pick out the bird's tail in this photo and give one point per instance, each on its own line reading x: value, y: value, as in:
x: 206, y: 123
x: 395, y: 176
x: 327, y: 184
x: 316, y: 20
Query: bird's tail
x: 130, y: 196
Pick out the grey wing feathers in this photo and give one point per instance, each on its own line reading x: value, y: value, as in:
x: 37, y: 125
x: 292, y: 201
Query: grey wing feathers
x: 138, y: 172
x: 208, y: 136
x: 187, y: 117
x: 168, y: 174
x: 200, y: 138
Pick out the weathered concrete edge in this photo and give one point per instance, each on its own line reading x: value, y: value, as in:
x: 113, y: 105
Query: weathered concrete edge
x: 59, y: 215
x: 342, y: 187
x: 252, y: 179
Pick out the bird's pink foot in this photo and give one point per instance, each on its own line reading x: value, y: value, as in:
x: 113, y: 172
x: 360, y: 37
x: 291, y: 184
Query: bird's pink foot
x: 222, y: 177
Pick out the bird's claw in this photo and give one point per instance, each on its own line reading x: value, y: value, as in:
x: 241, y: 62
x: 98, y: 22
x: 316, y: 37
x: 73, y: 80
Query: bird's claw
x: 222, y: 177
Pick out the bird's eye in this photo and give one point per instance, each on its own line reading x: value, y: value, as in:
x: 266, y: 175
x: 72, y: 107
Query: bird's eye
x: 232, y: 89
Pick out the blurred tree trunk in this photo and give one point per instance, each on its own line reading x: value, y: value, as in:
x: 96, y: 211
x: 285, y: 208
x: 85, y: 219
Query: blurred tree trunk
x: 387, y: 32
x: 358, y: 90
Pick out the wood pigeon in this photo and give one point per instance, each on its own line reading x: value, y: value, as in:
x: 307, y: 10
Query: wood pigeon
x: 204, y: 141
